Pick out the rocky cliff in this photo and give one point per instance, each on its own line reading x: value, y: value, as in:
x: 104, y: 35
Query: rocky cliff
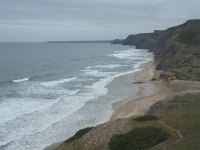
x: 176, y: 50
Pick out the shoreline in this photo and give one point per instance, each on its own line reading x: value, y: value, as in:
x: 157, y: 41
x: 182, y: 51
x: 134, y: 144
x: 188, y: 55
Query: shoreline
x: 177, y: 60
x: 146, y: 73
x: 138, y: 107
x: 134, y: 107
x: 140, y: 77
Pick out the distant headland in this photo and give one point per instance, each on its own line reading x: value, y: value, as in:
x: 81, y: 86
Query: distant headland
x: 96, y: 41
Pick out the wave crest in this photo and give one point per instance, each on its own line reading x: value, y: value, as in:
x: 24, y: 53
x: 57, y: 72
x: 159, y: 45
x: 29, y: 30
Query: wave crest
x: 56, y: 82
x: 20, y: 80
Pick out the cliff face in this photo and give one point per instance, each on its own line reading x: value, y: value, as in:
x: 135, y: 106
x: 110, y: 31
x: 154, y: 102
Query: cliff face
x: 176, y: 50
x: 143, y: 39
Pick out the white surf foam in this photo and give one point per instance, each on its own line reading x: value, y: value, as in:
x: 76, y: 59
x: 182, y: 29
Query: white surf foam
x: 20, y: 106
x: 20, y: 80
x: 128, y: 54
x: 35, y: 125
x: 89, y: 67
x: 38, y: 121
x: 97, y: 73
x: 31, y: 97
x: 56, y: 82
x: 73, y: 92
x: 111, y: 66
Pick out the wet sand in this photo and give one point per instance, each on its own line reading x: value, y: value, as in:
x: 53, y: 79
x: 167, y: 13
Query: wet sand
x: 138, y: 107
x: 133, y: 107
x: 129, y: 83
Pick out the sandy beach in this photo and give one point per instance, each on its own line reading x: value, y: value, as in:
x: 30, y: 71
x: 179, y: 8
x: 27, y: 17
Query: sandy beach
x: 134, y: 107
x: 138, y: 107
x: 142, y: 79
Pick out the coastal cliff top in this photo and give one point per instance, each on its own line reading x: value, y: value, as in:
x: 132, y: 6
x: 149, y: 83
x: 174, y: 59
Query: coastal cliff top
x: 176, y: 50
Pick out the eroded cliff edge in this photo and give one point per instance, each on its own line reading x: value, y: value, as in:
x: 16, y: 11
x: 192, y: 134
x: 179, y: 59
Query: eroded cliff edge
x: 176, y: 50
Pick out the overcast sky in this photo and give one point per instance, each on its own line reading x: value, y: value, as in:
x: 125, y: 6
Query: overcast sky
x: 43, y: 20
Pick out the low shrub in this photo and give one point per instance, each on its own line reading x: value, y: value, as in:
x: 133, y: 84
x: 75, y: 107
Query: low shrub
x: 138, y: 139
x: 79, y: 134
x: 146, y: 118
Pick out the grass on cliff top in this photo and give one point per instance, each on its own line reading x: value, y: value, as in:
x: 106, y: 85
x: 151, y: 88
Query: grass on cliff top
x: 146, y: 118
x: 183, y: 114
x: 138, y: 139
x: 190, y: 37
x: 180, y: 114
x: 79, y: 134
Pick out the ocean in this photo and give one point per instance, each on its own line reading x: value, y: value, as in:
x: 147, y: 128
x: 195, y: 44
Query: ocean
x: 48, y: 91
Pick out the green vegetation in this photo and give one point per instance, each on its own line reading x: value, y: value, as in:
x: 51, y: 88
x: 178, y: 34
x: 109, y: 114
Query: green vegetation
x: 175, y: 49
x: 172, y: 124
x: 190, y: 37
x: 138, y: 139
x: 146, y: 118
x: 79, y: 134
x: 192, y: 24
x: 182, y: 113
x: 180, y: 116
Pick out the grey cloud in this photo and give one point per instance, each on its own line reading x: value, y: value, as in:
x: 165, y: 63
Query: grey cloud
x: 97, y: 19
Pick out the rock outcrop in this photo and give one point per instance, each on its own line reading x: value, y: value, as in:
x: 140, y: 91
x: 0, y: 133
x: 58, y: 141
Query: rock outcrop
x: 176, y: 50
x: 117, y: 41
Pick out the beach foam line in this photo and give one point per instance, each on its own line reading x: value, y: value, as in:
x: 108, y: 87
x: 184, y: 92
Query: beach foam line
x: 97, y: 73
x: 127, y: 54
x: 56, y: 82
x: 73, y: 104
x: 111, y: 66
x: 62, y: 108
x: 24, y: 106
x: 105, y: 66
x: 20, y: 80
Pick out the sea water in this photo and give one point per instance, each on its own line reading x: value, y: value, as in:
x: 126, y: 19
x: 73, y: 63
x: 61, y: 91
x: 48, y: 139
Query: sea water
x: 48, y: 91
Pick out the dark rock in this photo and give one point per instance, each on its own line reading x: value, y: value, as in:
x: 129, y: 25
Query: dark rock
x: 117, y: 41
x: 176, y: 48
